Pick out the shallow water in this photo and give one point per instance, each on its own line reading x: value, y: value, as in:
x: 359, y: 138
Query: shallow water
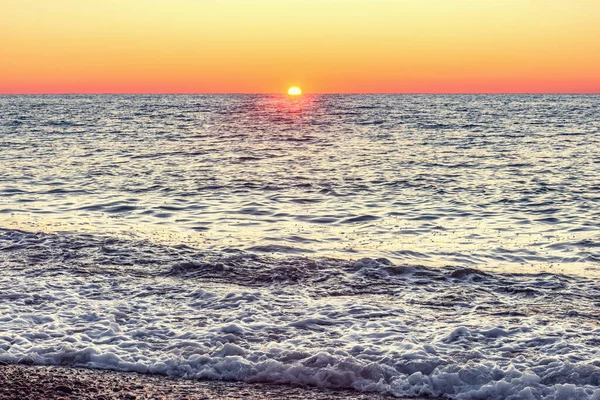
x: 411, y: 245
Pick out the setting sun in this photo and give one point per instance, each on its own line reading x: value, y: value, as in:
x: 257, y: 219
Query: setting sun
x: 294, y: 91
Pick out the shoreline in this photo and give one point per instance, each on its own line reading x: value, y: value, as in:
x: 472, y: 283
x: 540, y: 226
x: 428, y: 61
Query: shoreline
x: 32, y: 382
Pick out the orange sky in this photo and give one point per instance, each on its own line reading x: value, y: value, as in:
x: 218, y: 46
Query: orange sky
x: 324, y: 46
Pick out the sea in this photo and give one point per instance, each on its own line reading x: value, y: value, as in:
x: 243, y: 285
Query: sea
x: 409, y: 245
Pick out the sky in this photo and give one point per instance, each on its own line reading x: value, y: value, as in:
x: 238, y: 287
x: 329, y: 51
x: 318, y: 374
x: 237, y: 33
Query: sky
x: 323, y: 46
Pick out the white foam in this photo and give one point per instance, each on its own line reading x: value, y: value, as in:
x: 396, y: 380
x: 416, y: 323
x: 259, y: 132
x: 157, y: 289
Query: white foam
x: 342, y: 330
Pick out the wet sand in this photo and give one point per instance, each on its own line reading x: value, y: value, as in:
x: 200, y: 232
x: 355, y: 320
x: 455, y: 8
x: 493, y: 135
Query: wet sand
x: 51, y: 382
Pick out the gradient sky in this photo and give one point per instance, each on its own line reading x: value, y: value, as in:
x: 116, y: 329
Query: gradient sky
x: 324, y: 46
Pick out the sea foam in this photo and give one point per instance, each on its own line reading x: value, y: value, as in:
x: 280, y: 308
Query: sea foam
x: 367, y: 325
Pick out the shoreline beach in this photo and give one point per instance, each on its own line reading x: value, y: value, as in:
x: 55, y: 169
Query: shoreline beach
x: 57, y: 382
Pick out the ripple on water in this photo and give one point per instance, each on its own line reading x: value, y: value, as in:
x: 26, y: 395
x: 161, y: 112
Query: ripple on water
x: 358, y: 174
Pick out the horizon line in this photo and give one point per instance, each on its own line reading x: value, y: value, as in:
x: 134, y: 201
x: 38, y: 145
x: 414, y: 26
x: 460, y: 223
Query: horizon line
x: 285, y: 94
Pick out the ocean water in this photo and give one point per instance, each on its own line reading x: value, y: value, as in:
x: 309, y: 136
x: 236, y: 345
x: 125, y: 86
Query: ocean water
x: 408, y: 245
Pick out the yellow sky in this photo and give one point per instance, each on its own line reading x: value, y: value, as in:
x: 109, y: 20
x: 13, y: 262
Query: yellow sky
x: 225, y: 46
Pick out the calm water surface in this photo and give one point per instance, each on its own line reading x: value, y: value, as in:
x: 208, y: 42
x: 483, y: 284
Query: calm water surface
x: 491, y: 182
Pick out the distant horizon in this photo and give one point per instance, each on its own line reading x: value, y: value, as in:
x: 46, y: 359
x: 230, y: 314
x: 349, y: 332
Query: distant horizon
x: 305, y: 94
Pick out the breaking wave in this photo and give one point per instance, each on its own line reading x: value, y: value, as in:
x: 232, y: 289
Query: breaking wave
x: 368, y: 325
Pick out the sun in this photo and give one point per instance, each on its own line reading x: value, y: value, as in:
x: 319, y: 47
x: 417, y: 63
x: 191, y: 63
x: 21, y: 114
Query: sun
x: 294, y: 91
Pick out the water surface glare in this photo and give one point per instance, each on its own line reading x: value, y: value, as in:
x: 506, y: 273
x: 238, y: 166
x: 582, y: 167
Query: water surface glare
x: 488, y: 181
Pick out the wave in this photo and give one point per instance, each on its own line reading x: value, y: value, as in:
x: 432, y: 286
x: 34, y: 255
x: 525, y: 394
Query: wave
x: 368, y: 325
